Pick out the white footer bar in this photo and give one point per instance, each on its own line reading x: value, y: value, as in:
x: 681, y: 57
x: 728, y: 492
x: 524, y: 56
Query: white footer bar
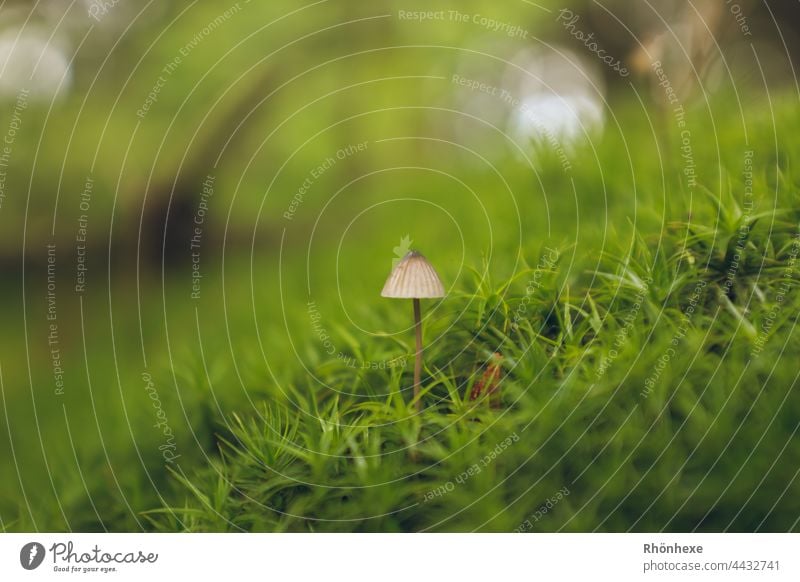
x: 401, y: 557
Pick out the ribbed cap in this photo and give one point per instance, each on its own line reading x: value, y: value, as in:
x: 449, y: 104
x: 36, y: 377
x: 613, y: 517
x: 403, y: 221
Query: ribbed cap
x: 413, y: 278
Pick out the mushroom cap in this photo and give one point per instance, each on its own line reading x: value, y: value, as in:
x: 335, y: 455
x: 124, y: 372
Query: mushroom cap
x: 413, y: 278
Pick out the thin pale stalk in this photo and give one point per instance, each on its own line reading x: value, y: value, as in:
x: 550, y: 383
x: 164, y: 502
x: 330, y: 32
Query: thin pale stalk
x: 418, y: 356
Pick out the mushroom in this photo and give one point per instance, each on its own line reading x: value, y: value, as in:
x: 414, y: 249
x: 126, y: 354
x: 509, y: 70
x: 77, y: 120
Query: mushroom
x: 414, y: 278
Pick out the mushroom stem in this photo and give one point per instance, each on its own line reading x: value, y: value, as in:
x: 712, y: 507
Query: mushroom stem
x: 418, y: 356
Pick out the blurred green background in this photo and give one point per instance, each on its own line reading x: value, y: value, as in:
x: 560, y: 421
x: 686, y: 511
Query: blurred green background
x: 296, y: 145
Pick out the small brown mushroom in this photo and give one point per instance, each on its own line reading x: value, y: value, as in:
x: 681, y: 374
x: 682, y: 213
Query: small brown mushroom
x: 414, y: 278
